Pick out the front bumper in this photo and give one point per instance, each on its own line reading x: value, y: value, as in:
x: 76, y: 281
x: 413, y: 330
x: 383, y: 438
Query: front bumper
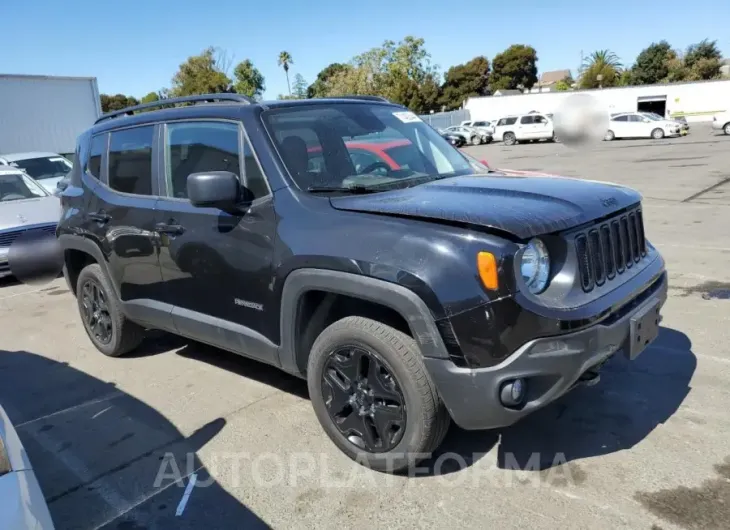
x: 551, y: 366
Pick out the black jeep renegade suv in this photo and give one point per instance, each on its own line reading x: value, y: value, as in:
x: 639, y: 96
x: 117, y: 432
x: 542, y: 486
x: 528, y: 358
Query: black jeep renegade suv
x: 345, y: 241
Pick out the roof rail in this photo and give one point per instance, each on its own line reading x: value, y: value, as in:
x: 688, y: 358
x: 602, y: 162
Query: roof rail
x: 365, y: 98
x: 203, y: 98
x: 369, y: 98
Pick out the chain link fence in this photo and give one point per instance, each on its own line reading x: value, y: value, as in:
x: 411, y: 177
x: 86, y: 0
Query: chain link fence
x: 441, y: 120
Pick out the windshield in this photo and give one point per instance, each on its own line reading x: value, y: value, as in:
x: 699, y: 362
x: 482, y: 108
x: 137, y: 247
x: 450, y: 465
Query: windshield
x: 364, y: 146
x: 652, y: 116
x: 16, y: 187
x: 45, y: 168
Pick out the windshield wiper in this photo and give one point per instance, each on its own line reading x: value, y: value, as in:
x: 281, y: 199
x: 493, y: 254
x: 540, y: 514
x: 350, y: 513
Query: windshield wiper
x: 345, y: 189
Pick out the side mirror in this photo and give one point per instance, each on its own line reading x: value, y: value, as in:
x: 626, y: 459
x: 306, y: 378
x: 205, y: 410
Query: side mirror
x: 214, y: 189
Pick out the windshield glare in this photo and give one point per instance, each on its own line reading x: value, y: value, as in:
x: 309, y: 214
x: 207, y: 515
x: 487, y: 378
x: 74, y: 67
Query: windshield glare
x: 16, y: 187
x: 45, y: 168
x: 364, y: 145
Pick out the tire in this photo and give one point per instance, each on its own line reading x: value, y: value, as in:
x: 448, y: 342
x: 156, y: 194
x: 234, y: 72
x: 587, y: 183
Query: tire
x: 657, y: 134
x: 426, y: 419
x: 610, y: 136
x: 475, y: 140
x: 123, y: 334
x: 509, y: 138
x: 726, y: 128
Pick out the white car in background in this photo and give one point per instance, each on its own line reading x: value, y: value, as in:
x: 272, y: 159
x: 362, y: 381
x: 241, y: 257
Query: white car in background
x: 640, y: 125
x: 721, y: 122
x: 46, y: 168
x: 22, y: 504
x: 524, y: 128
x: 480, y: 125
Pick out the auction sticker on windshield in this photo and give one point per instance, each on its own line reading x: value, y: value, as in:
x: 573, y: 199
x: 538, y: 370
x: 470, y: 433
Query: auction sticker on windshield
x: 406, y: 117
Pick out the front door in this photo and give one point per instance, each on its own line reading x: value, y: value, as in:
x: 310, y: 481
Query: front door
x: 217, y: 266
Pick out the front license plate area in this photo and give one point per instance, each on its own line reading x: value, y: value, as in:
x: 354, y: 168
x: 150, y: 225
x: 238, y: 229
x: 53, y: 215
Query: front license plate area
x: 644, y: 328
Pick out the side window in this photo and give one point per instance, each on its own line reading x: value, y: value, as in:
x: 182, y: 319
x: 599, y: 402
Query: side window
x: 98, y: 146
x: 526, y: 120
x: 511, y: 121
x: 255, y: 179
x: 634, y: 118
x: 196, y: 147
x: 621, y: 118
x: 480, y: 123
x: 130, y: 160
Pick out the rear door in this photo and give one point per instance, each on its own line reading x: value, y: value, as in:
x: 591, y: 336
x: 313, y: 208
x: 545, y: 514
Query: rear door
x: 620, y: 126
x: 121, y: 217
x: 526, y: 128
x: 217, y: 266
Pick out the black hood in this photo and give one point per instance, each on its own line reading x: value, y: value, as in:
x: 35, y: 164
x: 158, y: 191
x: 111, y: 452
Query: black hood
x: 522, y: 206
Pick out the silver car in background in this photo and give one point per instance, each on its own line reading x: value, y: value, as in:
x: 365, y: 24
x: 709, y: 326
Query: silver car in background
x: 25, y: 206
x: 22, y: 504
x: 46, y: 168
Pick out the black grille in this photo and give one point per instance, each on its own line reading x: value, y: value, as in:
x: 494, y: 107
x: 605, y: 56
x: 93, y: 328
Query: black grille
x: 7, y: 237
x: 584, y: 264
x: 605, y: 251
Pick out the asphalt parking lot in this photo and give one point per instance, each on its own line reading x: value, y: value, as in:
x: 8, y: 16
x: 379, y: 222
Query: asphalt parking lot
x: 115, y: 441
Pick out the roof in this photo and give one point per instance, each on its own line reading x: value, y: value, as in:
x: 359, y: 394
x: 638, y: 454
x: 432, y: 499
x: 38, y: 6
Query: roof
x: 14, y: 157
x: 548, y: 78
x: 222, y: 108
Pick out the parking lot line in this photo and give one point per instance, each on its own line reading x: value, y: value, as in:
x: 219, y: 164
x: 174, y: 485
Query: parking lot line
x: 69, y: 409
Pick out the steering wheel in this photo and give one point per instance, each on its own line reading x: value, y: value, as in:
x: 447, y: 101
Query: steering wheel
x: 375, y: 165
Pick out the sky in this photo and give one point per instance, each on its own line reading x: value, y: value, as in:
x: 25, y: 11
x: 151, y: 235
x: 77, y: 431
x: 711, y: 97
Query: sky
x: 135, y: 47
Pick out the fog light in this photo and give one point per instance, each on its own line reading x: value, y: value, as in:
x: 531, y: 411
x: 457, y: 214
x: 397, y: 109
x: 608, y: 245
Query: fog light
x: 513, y: 392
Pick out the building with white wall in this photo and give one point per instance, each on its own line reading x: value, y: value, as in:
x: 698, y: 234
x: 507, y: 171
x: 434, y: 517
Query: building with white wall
x: 698, y: 101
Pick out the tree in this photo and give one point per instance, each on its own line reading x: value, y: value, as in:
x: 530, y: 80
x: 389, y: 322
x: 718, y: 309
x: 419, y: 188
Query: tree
x: 202, y: 74
x: 652, y: 64
x: 319, y: 87
x: 300, y: 87
x: 515, y: 67
x: 564, y: 84
x: 150, y: 98
x: 603, y: 63
x: 249, y: 81
x: 399, y: 72
x: 463, y: 81
x: 285, y: 61
x: 703, y: 60
x: 116, y: 102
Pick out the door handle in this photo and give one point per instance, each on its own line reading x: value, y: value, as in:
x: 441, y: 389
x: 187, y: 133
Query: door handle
x: 172, y: 229
x: 100, y: 217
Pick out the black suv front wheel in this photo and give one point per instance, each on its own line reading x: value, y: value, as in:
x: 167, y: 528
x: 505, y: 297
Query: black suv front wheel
x: 373, y: 395
x: 107, y: 327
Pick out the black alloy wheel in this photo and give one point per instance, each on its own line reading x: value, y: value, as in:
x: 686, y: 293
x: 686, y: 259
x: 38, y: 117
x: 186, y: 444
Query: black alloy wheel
x: 97, y: 318
x: 363, y: 399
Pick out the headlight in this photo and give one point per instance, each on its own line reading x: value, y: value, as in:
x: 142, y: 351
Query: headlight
x: 4, y: 460
x: 535, y: 266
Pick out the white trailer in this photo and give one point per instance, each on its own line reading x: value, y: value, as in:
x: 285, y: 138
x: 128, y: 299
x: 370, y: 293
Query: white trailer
x: 697, y: 101
x: 45, y: 113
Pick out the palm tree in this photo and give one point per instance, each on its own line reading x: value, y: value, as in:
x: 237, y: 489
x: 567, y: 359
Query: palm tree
x: 284, y: 61
x: 601, y: 68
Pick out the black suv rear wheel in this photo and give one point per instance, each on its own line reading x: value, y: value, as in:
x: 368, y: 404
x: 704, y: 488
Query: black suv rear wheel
x: 107, y: 327
x: 373, y: 395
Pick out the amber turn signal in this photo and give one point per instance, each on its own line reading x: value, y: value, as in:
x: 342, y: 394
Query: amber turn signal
x: 487, y: 267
